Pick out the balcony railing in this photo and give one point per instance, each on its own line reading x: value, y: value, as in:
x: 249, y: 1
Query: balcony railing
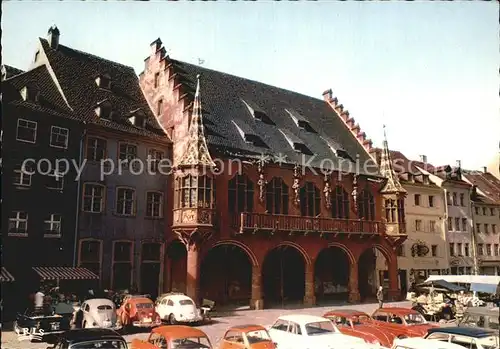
x: 249, y: 221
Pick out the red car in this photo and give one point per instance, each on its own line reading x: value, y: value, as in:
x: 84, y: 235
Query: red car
x: 138, y: 311
x: 403, y: 322
x: 358, y: 324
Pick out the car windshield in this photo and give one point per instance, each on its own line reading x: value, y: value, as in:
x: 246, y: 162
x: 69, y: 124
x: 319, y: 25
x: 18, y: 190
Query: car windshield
x: 487, y: 322
x: 414, y: 319
x: 191, y: 343
x: 490, y: 342
x: 358, y: 320
x: 101, y: 344
x: 320, y: 327
x: 186, y: 302
x: 144, y: 305
x: 258, y: 336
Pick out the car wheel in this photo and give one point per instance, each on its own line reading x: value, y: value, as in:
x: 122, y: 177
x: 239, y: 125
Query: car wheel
x: 171, y: 319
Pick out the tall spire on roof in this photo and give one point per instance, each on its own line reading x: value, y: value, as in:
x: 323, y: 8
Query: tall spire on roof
x: 387, y: 170
x: 196, y: 153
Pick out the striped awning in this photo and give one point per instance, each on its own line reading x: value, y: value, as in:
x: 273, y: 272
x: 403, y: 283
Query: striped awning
x: 5, y: 276
x: 65, y: 273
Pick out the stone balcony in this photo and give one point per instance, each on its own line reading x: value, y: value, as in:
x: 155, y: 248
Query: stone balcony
x: 193, y: 217
x: 250, y: 222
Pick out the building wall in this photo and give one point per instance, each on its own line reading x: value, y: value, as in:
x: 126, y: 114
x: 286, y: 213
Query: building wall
x: 487, y: 233
x: 422, y: 266
x: 109, y: 226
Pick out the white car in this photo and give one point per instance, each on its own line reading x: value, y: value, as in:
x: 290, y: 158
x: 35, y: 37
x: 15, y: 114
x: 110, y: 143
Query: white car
x: 178, y: 308
x: 312, y: 332
x: 421, y: 343
x: 97, y: 313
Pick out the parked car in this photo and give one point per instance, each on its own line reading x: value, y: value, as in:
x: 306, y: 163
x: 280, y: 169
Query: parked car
x: 91, y: 338
x: 482, y: 317
x: 468, y: 337
x: 247, y: 337
x: 97, y: 313
x: 177, y: 336
x: 402, y: 322
x: 311, y: 332
x: 178, y: 308
x: 138, y: 311
x: 420, y: 343
x: 358, y: 324
x: 45, y: 322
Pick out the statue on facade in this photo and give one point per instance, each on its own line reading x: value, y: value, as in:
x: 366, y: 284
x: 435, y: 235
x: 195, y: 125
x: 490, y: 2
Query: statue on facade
x: 262, y: 181
x: 354, y: 193
x: 327, y: 191
x: 296, y: 185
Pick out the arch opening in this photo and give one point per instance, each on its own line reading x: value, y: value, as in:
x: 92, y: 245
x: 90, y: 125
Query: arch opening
x: 226, y: 275
x: 331, y: 274
x: 283, y: 275
x: 372, y: 272
x: 177, y: 266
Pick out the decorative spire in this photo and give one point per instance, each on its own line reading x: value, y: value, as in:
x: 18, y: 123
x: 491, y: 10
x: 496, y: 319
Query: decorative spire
x: 386, y: 169
x: 196, y: 153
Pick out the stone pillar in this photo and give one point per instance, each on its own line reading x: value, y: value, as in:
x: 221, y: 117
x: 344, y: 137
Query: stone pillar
x: 354, y: 296
x: 309, y: 297
x: 256, y: 302
x: 393, y: 293
x: 193, y: 272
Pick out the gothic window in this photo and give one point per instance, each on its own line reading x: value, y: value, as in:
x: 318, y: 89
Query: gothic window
x: 390, y: 210
x: 193, y: 191
x: 240, y: 194
x: 310, y: 200
x: 277, y: 196
x: 340, y: 203
x: 366, y: 206
x: 401, y: 211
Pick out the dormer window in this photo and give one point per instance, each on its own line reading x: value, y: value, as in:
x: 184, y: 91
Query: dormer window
x: 411, y: 178
x: 104, y: 110
x: 296, y: 143
x: 30, y: 93
x: 300, y: 121
x: 336, y: 149
x: 425, y: 179
x: 104, y: 81
x: 257, y: 113
x: 138, y: 118
x: 248, y: 135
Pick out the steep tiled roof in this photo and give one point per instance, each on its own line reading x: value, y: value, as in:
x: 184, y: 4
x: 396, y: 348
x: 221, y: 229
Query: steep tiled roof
x: 76, y: 73
x: 232, y: 106
x: 486, y: 183
x: 9, y: 71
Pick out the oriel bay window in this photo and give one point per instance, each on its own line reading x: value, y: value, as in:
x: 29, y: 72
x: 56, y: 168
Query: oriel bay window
x: 195, y: 192
x: 310, y: 200
x: 340, y: 203
x: 240, y: 194
x: 90, y: 255
x: 366, y: 205
x: 123, y: 260
x: 390, y: 210
x: 277, y: 196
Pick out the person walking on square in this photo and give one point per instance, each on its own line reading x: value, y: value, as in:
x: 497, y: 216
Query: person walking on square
x: 380, y: 297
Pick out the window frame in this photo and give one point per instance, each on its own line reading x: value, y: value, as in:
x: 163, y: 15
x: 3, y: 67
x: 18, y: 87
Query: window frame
x: 340, y: 205
x: 149, y: 205
x: 95, y: 148
x: 309, y: 194
x: 102, y: 199
x: 52, y: 134
x: 59, y: 178
x: 366, y: 205
x: 35, y: 130
x: 51, y: 221
x: 17, y: 221
x: 275, y: 188
x: 22, y: 176
x: 241, y: 187
x: 154, y: 163
x: 134, y: 201
x: 126, y: 154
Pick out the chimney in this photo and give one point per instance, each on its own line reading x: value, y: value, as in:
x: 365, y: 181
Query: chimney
x: 485, y: 169
x: 423, y: 158
x: 328, y: 95
x: 459, y: 163
x: 53, y: 37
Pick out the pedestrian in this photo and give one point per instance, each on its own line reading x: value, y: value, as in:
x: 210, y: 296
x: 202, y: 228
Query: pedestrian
x: 380, y: 297
x: 38, y: 301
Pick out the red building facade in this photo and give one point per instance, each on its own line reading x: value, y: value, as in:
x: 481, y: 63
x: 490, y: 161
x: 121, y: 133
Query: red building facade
x: 275, y: 197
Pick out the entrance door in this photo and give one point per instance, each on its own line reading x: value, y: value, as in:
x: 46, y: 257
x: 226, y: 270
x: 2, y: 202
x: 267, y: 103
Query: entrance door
x: 150, y: 279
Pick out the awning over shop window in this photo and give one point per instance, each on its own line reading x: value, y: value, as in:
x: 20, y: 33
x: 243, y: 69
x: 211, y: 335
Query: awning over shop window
x: 5, y: 276
x: 65, y: 273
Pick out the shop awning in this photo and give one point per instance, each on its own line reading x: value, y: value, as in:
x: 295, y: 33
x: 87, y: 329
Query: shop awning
x: 5, y: 276
x: 65, y: 273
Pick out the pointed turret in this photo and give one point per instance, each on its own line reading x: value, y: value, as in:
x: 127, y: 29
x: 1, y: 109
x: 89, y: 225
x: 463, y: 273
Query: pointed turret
x: 392, y: 186
x: 196, y: 153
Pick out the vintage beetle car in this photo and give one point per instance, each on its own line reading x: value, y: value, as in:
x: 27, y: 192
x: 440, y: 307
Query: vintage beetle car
x: 91, y: 338
x: 247, y: 337
x: 175, y: 337
x: 358, y: 324
x: 482, y: 317
x: 311, y: 332
x: 468, y: 337
x: 403, y: 322
x: 138, y: 311
x: 178, y: 308
x: 97, y: 313
x: 420, y: 343
x: 45, y: 322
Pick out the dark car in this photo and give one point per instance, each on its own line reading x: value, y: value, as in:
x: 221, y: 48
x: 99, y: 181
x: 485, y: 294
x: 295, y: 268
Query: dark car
x: 41, y: 322
x: 89, y: 338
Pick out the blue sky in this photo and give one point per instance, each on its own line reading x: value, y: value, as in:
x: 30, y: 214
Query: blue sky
x: 428, y: 70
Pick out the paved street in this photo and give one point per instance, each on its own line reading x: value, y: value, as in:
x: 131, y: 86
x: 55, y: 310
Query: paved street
x: 216, y: 329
